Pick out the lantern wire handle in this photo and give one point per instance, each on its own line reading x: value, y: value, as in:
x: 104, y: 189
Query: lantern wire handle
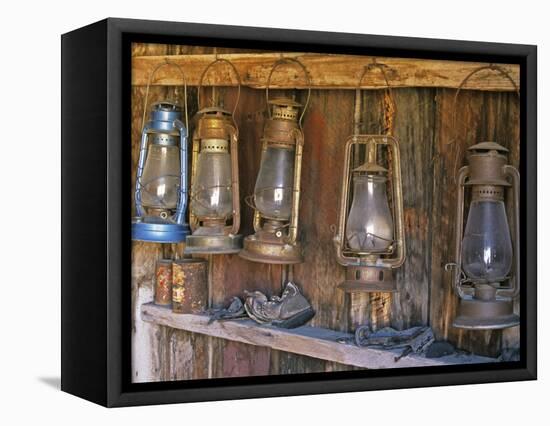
x: 491, y: 67
x: 237, y: 75
x: 392, y: 110
x: 283, y: 61
x: 166, y: 63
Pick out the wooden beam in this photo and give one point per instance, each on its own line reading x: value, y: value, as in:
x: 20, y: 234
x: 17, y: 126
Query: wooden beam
x: 315, y: 342
x: 326, y: 71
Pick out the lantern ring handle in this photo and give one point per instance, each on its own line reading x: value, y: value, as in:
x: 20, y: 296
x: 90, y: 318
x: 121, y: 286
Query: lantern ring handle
x: 283, y: 61
x: 491, y: 67
x: 159, y: 66
x: 235, y: 72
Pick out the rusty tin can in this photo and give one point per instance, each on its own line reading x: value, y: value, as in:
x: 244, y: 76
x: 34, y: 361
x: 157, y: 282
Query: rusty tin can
x: 189, y: 286
x: 163, y: 283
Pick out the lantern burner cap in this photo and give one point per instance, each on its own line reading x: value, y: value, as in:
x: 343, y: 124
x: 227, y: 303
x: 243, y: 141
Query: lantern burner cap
x: 166, y: 106
x: 214, y: 145
x: 284, y: 102
x: 488, y: 146
x: 214, y: 111
x: 285, y: 108
x: 370, y: 168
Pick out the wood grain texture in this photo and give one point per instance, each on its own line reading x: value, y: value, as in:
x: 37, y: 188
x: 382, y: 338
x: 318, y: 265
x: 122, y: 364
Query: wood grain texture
x: 326, y: 71
x: 415, y: 131
x: 310, y: 341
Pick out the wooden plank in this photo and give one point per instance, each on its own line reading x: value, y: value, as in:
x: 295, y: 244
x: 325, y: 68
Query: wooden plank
x: 414, y: 129
x: 327, y: 71
x: 325, y: 134
x: 310, y: 341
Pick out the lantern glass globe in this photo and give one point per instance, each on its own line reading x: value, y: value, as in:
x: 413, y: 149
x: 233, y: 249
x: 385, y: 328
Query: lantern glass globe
x: 487, y: 245
x: 275, y: 182
x: 369, y: 227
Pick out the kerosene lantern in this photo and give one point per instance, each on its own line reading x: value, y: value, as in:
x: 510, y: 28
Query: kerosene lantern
x: 486, y: 275
x: 214, y: 210
x: 161, y: 181
x: 370, y: 239
x: 276, y: 196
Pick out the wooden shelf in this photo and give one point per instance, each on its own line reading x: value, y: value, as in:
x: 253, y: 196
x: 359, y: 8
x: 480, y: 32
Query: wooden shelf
x: 310, y: 341
x: 327, y: 71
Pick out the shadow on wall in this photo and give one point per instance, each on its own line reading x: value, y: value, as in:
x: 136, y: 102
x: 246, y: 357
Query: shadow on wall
x: 54, y: 382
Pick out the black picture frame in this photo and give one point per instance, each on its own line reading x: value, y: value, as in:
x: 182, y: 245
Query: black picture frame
x: 96, y: 207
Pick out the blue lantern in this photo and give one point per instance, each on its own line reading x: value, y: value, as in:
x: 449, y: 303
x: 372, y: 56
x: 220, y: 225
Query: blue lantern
x: 161, y: 181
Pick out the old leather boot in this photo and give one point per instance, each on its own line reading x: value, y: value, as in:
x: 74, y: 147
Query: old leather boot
x: 288, y: 311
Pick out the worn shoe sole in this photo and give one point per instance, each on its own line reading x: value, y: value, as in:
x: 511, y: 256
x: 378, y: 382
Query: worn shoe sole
x: 295, y: 321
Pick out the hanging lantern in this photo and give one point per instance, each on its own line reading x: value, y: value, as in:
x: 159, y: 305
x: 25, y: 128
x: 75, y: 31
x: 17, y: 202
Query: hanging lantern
x: 370, y: 238
x: 276, y: 196
x: 161, y: 181
x: 486, y: 274
x: 215, y: 180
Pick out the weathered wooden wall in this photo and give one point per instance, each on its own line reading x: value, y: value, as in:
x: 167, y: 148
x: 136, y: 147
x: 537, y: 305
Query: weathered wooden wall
x: 423, y: 127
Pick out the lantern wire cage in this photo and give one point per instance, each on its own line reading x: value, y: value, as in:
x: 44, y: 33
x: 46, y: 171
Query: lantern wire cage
x: 250, y: 199
x: 276, y: 196
x: 461, y: 276
x: 358, y: 157
x: 371, y: 192
x: 167, y: 227
x: 208, y: 218
x: 143, y: 187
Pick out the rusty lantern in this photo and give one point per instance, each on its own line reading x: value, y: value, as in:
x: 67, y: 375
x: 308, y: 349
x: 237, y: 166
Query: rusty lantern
x: 370, y: 238
x: 486, y: 268
x: 214, y: 214
x: 276, y: 196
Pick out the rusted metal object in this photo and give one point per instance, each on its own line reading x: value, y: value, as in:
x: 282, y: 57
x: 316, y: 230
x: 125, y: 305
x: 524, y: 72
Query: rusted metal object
x: 276, y: 198
x: 370, y: 269
x: 163, y: 283
x: 215, y: 223
x: 370, y: 238
x: 412, y: 340
x: 189, y: 286
x: 486, y: 302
